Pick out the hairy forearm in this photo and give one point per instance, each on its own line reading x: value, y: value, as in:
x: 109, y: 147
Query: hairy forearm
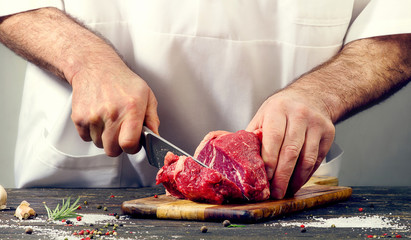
x: 363, y: 72
x: 54, y: 41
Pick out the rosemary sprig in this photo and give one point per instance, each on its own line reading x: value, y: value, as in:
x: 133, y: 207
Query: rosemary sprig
x: 66, y: 210
x: 235, y: 225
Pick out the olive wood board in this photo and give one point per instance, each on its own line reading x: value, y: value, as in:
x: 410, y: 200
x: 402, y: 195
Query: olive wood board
x: 317, y: 192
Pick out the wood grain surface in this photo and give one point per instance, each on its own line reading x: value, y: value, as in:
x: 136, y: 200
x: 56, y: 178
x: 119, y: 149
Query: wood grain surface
x: 387, y: 202
x: 318, y: 191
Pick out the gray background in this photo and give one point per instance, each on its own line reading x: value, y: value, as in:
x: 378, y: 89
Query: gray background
x: 376, y: 142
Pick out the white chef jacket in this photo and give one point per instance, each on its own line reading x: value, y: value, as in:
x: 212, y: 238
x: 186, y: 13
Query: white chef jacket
x: 210, y: 63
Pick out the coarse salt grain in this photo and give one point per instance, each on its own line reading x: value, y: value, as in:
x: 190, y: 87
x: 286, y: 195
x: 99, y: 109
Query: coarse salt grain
x: 376, y: 222
x: 91, y: 219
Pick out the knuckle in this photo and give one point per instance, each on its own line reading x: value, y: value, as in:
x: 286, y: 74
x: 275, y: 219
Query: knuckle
x: 309, y: 160
x: 281, y: 179
x: 112, y: 151
x: 302, y: 111
x: 292, y: 151
x: 132, y: 102
x: 108, y: 111
x: 330, y: 130
x: 77, y: 119
x: 129, y: 146
x: 276, y: 135
x: 94, y: 119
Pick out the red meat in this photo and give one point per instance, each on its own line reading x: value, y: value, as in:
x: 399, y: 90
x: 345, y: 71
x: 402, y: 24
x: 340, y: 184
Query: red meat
x: 236, y: 168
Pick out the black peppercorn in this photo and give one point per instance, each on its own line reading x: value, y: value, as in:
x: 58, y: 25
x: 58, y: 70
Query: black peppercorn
x: 226, y: 223
x: 29, y: 230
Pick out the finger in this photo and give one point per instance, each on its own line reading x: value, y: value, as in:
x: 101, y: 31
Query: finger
x: 324, y: 146
x: 290, y: 150
x: 110, y: 139
x: 152, y: 120
x: 82, y: 129
x: 84, y: 133
x: 306, y: 162
x: 96, y: 130
x: 273, y: 136
x: 129, y: 136
x: 254, y: 124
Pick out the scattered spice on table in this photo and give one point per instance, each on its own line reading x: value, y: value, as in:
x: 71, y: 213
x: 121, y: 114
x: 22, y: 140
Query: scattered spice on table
x: 226, y: 223
x: 29, y: 230
x: 203, y: 229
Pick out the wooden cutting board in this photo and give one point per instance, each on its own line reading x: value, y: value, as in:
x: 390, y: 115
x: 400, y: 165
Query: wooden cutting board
x: 318, y: 191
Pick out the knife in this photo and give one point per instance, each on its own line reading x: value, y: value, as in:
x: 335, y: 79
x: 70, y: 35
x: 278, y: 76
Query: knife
x: 157, y: 148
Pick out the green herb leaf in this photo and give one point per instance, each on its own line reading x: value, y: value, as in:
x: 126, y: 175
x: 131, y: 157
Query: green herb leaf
x: 66, y: 211
x: 235, y: 225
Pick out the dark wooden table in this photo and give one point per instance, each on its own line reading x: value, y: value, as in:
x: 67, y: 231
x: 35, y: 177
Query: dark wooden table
x: 388, y: 203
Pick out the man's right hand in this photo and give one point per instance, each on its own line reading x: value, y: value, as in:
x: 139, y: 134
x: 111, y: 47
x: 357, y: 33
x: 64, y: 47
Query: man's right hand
x: 110, y: 102
x: 109, y: 107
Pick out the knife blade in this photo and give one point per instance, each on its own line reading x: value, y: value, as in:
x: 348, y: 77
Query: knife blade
x: 157, y: 148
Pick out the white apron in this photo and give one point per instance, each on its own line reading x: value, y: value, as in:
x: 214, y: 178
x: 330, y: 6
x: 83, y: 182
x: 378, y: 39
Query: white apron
x: 210, y: 63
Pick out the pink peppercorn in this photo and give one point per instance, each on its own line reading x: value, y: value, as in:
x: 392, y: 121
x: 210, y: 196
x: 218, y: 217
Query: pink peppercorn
x: 78, y: 218
x: 361, y: 209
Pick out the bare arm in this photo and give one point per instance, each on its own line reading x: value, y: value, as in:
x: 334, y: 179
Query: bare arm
x: 363, y: 72
x: 110, y: 102
x: 298, y: 121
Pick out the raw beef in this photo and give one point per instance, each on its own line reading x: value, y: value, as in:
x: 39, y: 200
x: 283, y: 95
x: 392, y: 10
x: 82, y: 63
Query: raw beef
x: 184, y: 178
x: 236, y: 168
